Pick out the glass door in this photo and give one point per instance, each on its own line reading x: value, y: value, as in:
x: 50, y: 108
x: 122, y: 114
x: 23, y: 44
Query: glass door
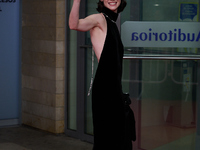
x: 163, y: 81
x: 79, y: 72
x: 90, y: 71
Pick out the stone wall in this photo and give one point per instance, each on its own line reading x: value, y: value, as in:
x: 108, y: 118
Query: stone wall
x: 43, y: 64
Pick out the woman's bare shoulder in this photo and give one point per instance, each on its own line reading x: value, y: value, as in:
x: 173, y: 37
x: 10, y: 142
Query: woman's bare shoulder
x: 99, y: 17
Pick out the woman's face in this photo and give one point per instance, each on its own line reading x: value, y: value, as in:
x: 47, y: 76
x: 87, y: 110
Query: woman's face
x: 112, y: 4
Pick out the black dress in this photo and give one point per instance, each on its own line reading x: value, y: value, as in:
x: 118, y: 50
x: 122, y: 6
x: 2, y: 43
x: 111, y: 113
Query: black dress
x: 107, y: 104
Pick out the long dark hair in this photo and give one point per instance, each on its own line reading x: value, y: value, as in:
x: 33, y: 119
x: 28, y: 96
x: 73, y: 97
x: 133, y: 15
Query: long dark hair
x: 120, y: 8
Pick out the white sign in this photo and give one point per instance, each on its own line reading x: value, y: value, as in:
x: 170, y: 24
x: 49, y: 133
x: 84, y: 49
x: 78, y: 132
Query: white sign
x: 160, y: 34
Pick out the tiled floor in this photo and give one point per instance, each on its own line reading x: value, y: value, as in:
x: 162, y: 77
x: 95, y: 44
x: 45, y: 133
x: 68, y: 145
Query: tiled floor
x: 26, y: 138
x: 157, y: 136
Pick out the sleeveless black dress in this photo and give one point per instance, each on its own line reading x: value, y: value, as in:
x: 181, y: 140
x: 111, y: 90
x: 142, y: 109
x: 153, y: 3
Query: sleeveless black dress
x: 107, y: 104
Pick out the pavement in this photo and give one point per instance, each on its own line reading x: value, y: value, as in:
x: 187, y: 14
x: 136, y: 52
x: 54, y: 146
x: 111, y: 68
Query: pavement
x: 27, y: 138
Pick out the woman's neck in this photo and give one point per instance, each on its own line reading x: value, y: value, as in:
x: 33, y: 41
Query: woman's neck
x: 111, y: 14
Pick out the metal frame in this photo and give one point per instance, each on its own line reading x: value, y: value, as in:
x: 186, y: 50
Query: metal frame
x: 163, y: 57
x: 68, y: 132
x: 80, y: 132
x: 198, y: 106
x: 20, y: 69
x: 198, y: 111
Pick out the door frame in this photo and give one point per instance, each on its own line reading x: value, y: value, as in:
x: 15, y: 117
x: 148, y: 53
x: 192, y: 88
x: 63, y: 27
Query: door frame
x: 81, y: 52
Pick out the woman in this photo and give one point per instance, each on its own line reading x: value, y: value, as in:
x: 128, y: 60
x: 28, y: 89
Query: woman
x: 107, y: 103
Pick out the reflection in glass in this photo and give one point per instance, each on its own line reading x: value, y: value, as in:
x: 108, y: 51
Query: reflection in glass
x: 164, y: 95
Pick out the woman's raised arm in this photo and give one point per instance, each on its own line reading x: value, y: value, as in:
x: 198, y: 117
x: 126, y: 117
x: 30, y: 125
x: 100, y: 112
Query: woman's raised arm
x: 81, y: 24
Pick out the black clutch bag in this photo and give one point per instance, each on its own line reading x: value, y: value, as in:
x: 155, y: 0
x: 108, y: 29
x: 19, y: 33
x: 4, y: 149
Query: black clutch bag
x: 129, y: 118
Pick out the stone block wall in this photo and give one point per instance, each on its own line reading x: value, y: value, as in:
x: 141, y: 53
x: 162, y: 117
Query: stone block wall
x: 43, y: 64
